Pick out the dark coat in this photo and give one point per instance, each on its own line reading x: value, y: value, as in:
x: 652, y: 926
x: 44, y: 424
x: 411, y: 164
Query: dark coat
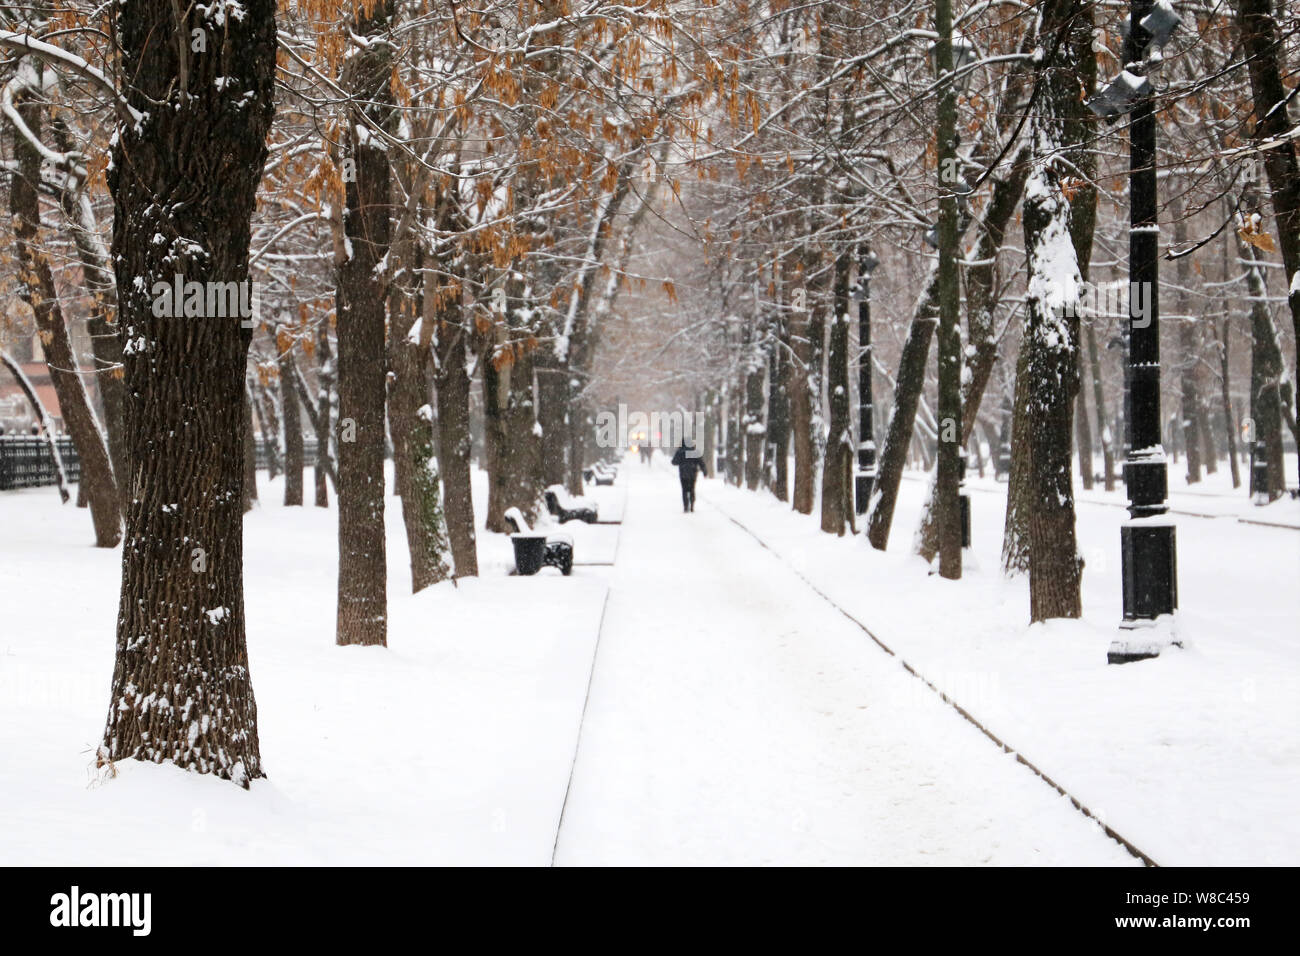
x: 687, y: 465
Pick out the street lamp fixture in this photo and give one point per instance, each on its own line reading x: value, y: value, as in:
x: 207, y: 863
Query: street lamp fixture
x: 1147, y: 540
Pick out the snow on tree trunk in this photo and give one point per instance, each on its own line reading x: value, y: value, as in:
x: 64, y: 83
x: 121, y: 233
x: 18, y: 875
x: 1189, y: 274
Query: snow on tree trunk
x: 362, y: 365
x: 37, y: 289
x: 839, y: 446
x: 181, y: 688
x: 1051, y: 343
x: 452, y: 384
x: 1264, y: 56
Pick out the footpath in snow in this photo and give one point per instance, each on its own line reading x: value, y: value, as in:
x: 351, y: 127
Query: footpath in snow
x: 737, y: 718
x: 734, y: 715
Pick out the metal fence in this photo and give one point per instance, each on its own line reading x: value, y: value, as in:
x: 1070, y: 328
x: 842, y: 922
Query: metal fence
x: 264, y: 458
x: 26, y: 462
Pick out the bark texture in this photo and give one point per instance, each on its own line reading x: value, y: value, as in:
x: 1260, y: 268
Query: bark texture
x: 362, y: 366
x: 181, y: 687
x: 37, y: 289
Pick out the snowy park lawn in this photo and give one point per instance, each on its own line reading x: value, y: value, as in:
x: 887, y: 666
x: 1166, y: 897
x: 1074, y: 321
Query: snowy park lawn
x: 1194, y: 756
x: 734, y: 715
x: 453, y: 745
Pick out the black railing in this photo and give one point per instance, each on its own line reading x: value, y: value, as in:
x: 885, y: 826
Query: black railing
x: 26, y: 462
x: 264, y: 460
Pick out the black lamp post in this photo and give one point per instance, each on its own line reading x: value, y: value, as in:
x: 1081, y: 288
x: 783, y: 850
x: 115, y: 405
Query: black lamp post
x: 1147, y: 542
x: 865, y: 479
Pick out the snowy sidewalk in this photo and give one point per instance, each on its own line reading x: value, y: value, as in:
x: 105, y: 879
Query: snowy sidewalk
x: 737, y: 718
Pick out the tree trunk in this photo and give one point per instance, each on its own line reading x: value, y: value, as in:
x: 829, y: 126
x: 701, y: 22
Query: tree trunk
x: 1264, y: 57
x: 981, y: 301
x: 1225, y: 396
x: 181, y: 687
x: 269, y: 423
x: 324, y: 471
x: 736, y: 436
x: 451, y: 381
x: 909, y: 384
x: 105, y: 342
x: 839, y: 444
x: 1083, y: 434
x: 778, y: 414
x: 362, y: 366
x: 949, y: 468
x: 1266, y: 371
x: 801, y: 384
x: 552, y: 415
x: 1099, y: 403
x: 37, y: 289
x: 1188, y: 361
x: 755, y: 433
x: 1051, y: 344
x: 293, y: 446
x: 250, y: 451
x: 410, y: 416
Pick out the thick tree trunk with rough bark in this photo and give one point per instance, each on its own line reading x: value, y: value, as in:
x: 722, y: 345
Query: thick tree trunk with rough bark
x: 1051, y: 345
x: 362, y: 364
x: 37, y: 289
x: 181, y: 687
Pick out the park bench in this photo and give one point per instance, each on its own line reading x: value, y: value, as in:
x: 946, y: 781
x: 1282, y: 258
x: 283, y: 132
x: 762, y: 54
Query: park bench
x: 559, y: 504
x: 600, y: 473
x: 534, y: 549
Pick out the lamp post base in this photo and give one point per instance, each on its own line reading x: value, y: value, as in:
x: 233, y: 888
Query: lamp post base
x: 1150, y: 568
x: 1142, y: 640
x: 1150, y: 573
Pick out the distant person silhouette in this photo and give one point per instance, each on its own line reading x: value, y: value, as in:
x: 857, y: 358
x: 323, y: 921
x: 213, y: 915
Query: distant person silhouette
x: 689, y: 464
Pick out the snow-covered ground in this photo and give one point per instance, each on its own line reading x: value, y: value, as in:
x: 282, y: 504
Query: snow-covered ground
x: 1194, y: 756
x: 735, y: 716
x: 453, y: 745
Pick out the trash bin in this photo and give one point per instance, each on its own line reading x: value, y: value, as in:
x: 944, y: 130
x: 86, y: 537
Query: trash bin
x: 530, y: 551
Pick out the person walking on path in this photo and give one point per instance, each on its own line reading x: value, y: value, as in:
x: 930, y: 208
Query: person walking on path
x: 689, y: 463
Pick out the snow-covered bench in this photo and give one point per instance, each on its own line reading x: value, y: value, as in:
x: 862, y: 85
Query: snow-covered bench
x: 534, y: 549
x: 600, y: 473
x: 566, y: 508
